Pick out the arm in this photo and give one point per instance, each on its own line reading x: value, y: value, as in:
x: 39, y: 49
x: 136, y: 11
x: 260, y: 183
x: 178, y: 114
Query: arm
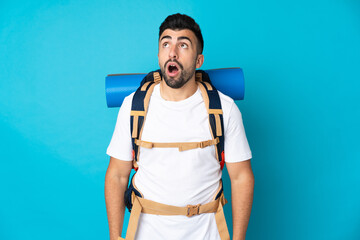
x: 116, y: 181
x: 242, y: 190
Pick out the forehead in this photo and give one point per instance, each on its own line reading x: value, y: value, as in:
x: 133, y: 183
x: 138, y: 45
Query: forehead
x: 174, y: 34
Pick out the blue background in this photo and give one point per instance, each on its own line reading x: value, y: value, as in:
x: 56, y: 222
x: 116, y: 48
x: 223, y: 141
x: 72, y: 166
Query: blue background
x: 301, y: 61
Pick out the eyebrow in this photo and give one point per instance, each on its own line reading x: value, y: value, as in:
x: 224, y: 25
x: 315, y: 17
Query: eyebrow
x: 183, y: 37
x: 179, y: 38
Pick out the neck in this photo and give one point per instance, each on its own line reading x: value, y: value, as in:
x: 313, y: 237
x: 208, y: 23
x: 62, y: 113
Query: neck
x: 178, y: 94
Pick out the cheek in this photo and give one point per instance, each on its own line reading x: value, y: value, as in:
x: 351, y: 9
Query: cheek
x: 161, y: 61
x: 162, y: 54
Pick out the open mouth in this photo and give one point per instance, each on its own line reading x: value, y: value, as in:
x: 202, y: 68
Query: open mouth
x: 173, y: 69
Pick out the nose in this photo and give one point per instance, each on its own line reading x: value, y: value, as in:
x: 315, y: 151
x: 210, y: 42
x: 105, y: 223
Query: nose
x: 173, y: 54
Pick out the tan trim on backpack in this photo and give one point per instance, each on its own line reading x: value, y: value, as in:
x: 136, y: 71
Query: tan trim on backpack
x: 212, y: 111
x: 221, y: 223
x: 146, y: 106
x: 215, y: 111
x: 157, y: 77
x: 218, y: 125
x: 151, y: 207
x: 147, y: 97
x: 143, y: 88
x: 135, y: 126
x: 205, y: 96
x: 208, y: 86
x: 183, y: 146
x: 137, y: 113
x: 141, y: 205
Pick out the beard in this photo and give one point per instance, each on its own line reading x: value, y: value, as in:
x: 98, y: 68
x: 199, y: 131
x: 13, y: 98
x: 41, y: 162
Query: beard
x: 185, y: 75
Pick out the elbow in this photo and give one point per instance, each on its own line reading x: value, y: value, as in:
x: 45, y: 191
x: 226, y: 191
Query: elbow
x: 115, y: 178
x: 245, y: 178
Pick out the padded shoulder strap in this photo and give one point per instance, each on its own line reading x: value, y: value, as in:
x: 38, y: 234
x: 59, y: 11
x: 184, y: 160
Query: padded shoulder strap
x: 140, y: 104
x: 154, y: 76
x: 213, y: 105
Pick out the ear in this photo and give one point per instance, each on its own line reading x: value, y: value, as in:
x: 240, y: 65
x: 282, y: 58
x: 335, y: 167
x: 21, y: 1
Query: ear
x: 199, y: 61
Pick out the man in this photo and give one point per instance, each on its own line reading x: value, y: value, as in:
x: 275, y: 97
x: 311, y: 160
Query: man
x: 177, y: 113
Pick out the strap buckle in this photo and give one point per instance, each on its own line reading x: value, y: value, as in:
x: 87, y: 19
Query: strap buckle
x: 192, y: 210
x: 204, y: 144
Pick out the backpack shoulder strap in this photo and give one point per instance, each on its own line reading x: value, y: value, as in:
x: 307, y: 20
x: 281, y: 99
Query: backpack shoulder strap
x: 139, y: 107
x: 213, y: 105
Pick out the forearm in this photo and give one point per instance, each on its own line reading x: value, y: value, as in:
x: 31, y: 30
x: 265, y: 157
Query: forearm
x: 242, y: 191
x: 115, y: 207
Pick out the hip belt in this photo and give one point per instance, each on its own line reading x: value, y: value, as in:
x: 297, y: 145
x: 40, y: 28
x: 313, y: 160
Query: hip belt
x: 142, y: 205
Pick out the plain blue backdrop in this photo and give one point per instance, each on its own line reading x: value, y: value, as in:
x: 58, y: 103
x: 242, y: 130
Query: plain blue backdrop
x: 301, y: 110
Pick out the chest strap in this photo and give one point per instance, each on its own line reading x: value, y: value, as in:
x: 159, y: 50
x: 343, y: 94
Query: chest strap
x: 183, y: 146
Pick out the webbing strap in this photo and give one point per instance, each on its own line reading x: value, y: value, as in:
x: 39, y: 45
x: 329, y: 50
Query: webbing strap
x: 134, y: 217
x: 208, y: 86
x: 135, y: 126
x: 215, y: 112
x: 157, y: 77
x: 137, y: 113
x: 221, y: 222
x: 144, y: 87
x: 141, y: 205
x: 151, y: 207
x: 218, y: 125
x: 213, y: 106
x: 139, y: 109
x: 183, y: 146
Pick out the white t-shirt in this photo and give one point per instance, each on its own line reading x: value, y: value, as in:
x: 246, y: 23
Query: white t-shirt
x: 176, y: 178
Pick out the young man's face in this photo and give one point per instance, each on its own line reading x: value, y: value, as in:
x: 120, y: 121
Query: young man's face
x: 178, y: 58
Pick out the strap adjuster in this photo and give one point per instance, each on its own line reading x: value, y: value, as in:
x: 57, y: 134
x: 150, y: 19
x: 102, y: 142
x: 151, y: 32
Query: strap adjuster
x: 192, y: 210
x: 205, y: 144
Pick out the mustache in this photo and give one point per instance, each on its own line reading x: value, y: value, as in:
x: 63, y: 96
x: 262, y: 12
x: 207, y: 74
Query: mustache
x: 176, y: 61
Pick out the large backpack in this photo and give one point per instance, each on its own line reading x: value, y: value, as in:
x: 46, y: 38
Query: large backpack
x: 139, y: 108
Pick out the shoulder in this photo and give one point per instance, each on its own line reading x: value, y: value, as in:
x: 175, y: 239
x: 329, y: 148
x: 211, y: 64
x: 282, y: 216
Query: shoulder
x: 128, y: 101
x: 225, y: 99
x: 227, y: 103
x: 125, y: 108
x: 231, y: 112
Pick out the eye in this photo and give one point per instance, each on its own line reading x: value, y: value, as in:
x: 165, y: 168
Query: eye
x: 165, y: 44
x: 183, y: 45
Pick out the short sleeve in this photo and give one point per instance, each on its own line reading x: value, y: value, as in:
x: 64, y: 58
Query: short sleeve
x: 120, y: 146
x: 236, y: 145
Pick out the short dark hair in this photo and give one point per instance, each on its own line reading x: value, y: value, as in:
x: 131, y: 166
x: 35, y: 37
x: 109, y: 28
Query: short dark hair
x: 181, y: 21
